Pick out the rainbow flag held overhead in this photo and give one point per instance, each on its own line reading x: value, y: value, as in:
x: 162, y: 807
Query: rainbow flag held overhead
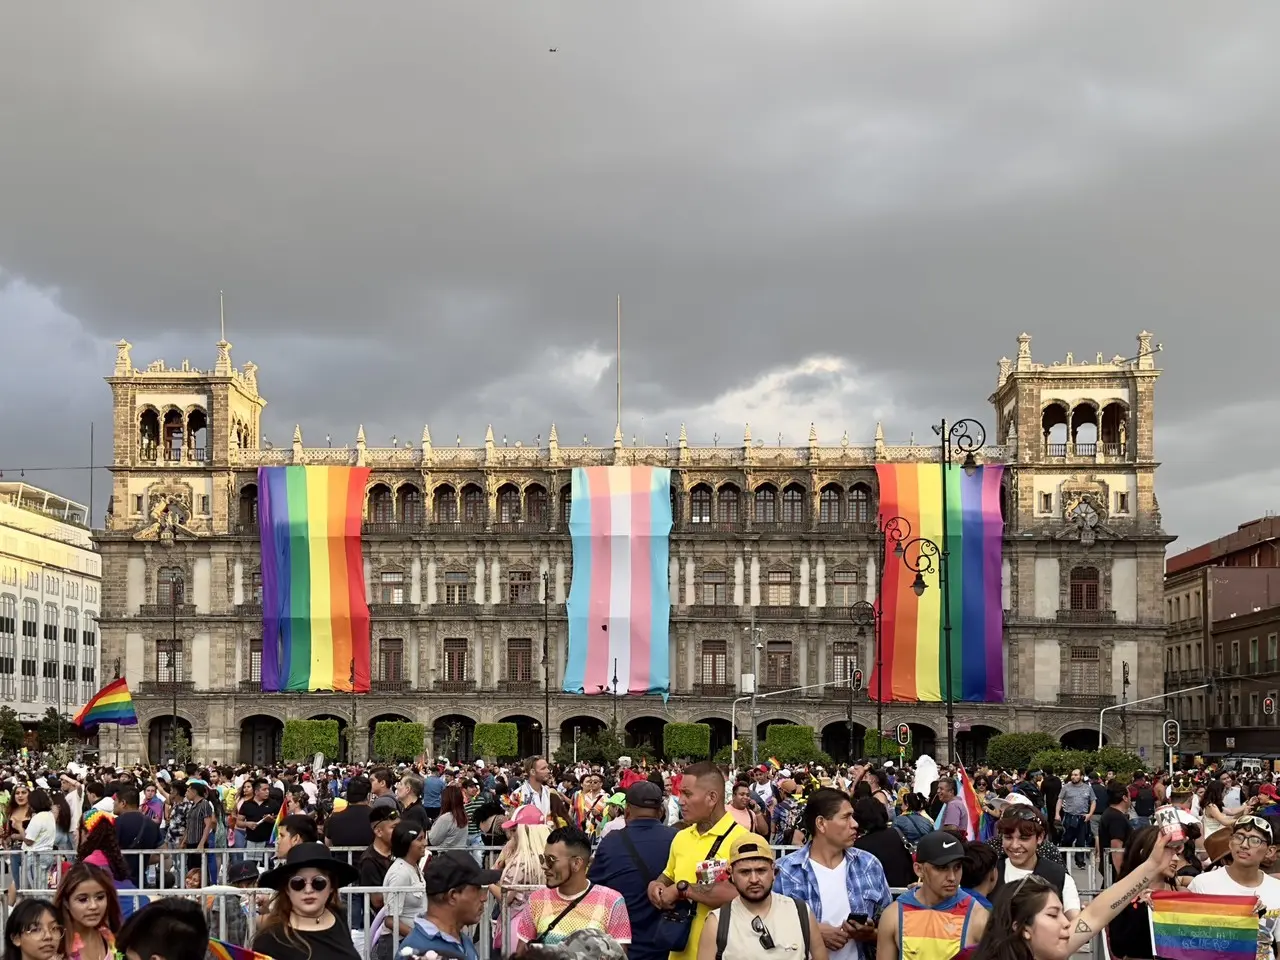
x: 229, y: 951
x: 111, y: 704
x: 620, y: 599
x: 1201, y: 926
x: 911, y: 626
x: 315, y: 614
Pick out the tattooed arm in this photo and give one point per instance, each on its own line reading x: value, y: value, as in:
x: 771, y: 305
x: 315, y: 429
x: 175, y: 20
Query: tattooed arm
x: 1108, y: 904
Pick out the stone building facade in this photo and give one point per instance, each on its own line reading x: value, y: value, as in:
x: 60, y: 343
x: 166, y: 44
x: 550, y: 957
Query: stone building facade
x: 462, y: 547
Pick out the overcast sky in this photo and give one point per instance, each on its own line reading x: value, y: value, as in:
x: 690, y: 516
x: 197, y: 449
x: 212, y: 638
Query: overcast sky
x: 814, y: 211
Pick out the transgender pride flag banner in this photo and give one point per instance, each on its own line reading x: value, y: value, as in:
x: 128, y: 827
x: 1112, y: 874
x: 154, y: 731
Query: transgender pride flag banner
x: 620, y: 599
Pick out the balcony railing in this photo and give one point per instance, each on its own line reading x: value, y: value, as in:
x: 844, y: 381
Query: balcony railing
x: 519, y: 686
x: 523, y: 609
x: 778, y: 611
x: 841, y: 692
x: 393, y: 609
x: 249, y: 611
x: 250, y: 686
x: 522, y: 526
x: 456, y: 609
x: 1086, y: 701
x: 455, y: 686
x: 166, y: 610
x: 457, y: 526
x: 780, y: 526
x: 782, y: 683
x: 391, y: 528
x: 714, y: 690
x: 707, y: 525
x: 389, y: 686
x: 713, y: 611
x: 170, y: 687
x: 849, y: 528
x: 1087, y: 616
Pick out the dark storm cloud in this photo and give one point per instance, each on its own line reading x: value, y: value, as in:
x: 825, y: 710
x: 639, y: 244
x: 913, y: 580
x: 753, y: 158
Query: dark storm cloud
x: 814, y: 211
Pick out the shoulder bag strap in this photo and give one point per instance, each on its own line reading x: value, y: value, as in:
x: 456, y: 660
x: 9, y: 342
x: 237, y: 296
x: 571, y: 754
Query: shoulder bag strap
x: 641, y: 866
x: 540, y: 938
x: 722, y: 930
x: 711, y: 854
x: 802, y: 909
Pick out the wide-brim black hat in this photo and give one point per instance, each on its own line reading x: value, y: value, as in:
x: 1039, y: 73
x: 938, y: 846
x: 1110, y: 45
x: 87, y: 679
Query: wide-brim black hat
x: 309, y: 855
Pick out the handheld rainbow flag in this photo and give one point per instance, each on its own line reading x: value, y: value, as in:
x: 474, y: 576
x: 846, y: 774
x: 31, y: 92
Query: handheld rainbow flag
x: 911, y: 626
x: 620, y: 599
x: 775, y: 763
x: 315, y: 614
x: 275, y: 827
x: 229, y: 951
x: 1201, y: 926
x: 111, y: 704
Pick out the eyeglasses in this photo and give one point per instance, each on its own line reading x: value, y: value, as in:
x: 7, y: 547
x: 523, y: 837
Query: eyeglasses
x: 766, y: 939
x: 1248, y: 842
x: 318, y: 884
x: 38, y: 929
x: 1253, y: 823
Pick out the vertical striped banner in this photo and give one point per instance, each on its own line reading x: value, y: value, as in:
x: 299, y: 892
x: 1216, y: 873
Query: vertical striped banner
x: 315, y: 614
x: 619, y: 600
x: 911, y: 627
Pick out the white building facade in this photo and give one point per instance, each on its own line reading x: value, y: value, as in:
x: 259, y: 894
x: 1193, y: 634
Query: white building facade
x: 50, y: 588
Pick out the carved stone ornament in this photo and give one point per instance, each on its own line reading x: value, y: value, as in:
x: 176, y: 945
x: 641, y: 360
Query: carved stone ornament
x: 169, y: 515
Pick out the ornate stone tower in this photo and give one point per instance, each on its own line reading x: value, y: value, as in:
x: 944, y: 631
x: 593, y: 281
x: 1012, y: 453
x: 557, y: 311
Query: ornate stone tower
x: 1084, y: 537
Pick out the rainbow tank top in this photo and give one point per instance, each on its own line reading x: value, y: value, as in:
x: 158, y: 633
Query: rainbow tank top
x: 932, y: 933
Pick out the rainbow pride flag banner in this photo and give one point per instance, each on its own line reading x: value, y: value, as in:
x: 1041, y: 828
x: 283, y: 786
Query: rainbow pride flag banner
x: 229, y: 951
x: 1202, y: 926
x: 111, y: 704
x: 911, y: 626
x: 620, y: 599
x: 315, y: 614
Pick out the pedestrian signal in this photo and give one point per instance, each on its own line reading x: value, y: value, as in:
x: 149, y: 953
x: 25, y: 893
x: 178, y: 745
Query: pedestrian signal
x: 904, y: 734
x: 857, y: 679
x: 1269, y: 706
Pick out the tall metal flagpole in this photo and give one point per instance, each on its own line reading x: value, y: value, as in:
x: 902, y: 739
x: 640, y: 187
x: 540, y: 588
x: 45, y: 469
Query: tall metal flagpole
x: 619, y: 365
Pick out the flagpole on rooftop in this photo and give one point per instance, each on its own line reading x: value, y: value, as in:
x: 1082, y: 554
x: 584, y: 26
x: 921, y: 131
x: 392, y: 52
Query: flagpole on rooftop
x: 618, y: 422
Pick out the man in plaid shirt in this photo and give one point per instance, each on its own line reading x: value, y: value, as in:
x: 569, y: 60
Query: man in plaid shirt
x: 844, y: 887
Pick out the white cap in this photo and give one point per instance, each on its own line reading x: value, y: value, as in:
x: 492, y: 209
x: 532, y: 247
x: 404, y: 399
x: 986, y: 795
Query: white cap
x: 1014, y: 798
x: 479, y: 764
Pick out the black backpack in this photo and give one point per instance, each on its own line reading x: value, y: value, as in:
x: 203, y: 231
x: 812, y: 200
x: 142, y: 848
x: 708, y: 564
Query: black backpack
x: 722, y: 928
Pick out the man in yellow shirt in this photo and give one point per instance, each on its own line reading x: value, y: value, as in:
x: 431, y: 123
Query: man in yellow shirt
x: 711, y: 834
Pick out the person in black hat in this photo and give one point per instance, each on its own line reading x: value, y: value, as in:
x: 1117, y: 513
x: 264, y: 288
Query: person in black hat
x: 457, y: 890
x: 305, y: 920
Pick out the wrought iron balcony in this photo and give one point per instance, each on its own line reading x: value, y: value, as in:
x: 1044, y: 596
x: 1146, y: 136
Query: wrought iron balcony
x: 455, y: 686
x: 389, y: 686
x: 250, y: 611
x: 519, y: 686
x: 166, y: 687
x: 522, y: 526
x: 1087, y: 616
x: 848, y: 528
x: 780, y: 526
x: 707, y: 525
x: 166, y: 610
x: 393, y: 609
x: 713, y: 611
x: 713, y: 690
x: 524, y: 609
x: 778, y: 611
x: 391, y: 528
x: 456, y: 609
x: 458, y: 526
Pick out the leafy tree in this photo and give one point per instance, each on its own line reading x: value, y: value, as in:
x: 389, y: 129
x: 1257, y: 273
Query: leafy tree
x: 11, y: 732
x: 303, y: 739
x: 1013, y: 751
x: 875, y: 744
x: 53, y: 728
x: 496, y: 741
x: 791, y: 744
x: 179, y: 747
x: 603, y: 748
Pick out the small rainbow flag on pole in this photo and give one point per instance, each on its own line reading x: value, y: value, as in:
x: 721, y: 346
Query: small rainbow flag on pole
x: 911, y: 626
x: 1201, y: 926
x: 111, y: 704
x: 620, y: 599
x: 275, y: 827
x: 315, y: 614
x: 229, y: 951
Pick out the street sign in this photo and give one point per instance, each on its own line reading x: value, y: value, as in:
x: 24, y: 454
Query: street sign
x: 1231, y: 743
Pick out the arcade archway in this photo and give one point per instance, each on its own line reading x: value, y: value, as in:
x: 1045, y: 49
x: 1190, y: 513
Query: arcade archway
x: 452, y: 736
x: 529, y: 737
x: 646, y: 732
x: 260, y: 737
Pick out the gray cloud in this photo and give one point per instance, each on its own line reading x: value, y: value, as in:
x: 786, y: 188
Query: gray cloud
x: 422, y: 215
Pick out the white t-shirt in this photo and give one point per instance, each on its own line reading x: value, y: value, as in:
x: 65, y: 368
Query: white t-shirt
x: 835, y: 903
x: 763, y: 792
x: 1070, y: 893
x: 618, y: 823
x: 1219, y: 883
x: 540, y: 798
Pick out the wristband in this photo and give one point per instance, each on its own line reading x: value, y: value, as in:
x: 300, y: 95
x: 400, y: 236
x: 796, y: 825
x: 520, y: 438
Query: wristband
x: 682, y: 889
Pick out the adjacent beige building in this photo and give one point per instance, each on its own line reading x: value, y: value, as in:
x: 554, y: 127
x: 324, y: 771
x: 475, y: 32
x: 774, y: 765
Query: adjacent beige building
x: 461, y: 543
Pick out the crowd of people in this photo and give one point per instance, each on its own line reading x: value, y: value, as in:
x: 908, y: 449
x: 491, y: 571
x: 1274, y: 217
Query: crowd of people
x: 682, y: 861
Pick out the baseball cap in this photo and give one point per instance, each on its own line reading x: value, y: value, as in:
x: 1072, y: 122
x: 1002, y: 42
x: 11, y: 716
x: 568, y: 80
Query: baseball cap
x: 1269, y: 791
x: 644, y: 795
x: 383, y: 812
x: 527, y: 815
x: 939, y: 848
x: 749, y: 846
x: 452, y: 869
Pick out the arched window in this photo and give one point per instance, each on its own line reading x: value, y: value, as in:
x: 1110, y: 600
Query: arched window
x: 566, y: 504
x: 766, y: 503
x: 1053, y: 423
x: 170, y: 586
x: 793, y: 510
x: 1113, y: 430
x: 148, y: 436
x: 728, y: 504
x: 248, y: 505
x: 409, y: 504
x: 173, y: 436
x: 444, y: 504
x: 1084, y: 429
x: 381, y: 506
x: 197, y: 435
x: 829, y: 504
x: 473, y: 507
x: 860, y: 508
x: 700, y: 504
x: 1084, y: 588
x: 508, y: 504
x: 535, y: 503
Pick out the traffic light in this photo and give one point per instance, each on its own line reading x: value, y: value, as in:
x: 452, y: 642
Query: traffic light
x: 904, y: 734
x: 857, y: 679
x: 1269, y: 706
x: 1172, y: 733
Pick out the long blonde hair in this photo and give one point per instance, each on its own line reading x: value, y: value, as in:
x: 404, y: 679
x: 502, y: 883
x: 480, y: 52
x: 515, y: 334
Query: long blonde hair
x: 523, y: 856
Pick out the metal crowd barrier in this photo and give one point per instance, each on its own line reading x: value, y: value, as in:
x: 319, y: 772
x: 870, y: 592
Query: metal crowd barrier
x: 222, y: 901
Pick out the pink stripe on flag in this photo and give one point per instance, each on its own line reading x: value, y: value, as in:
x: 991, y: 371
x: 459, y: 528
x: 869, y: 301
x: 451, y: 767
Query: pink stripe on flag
x: 597, y: 671
x: 641, y: 578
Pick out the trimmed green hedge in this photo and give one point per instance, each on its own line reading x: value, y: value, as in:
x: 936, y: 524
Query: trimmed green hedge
x: 398, y: 740
x: 1123, y: 764
x: 1014, y: 751
x: 690, y: 741
x: 874, y: 744
x: 791, y: 744
x: 496, y: 741
x: 303, y: 739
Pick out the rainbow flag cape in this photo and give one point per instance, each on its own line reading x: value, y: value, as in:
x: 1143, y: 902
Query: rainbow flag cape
x: 315, y: 614
x: 1201, y: 926
x: 620, y: 599
x: 229, y: 951
x: 911, y: 626
x: 111, y: 704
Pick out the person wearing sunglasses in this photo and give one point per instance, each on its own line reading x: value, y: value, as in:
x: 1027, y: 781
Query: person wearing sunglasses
x: 305, y: 920
x: 1252, y: 845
